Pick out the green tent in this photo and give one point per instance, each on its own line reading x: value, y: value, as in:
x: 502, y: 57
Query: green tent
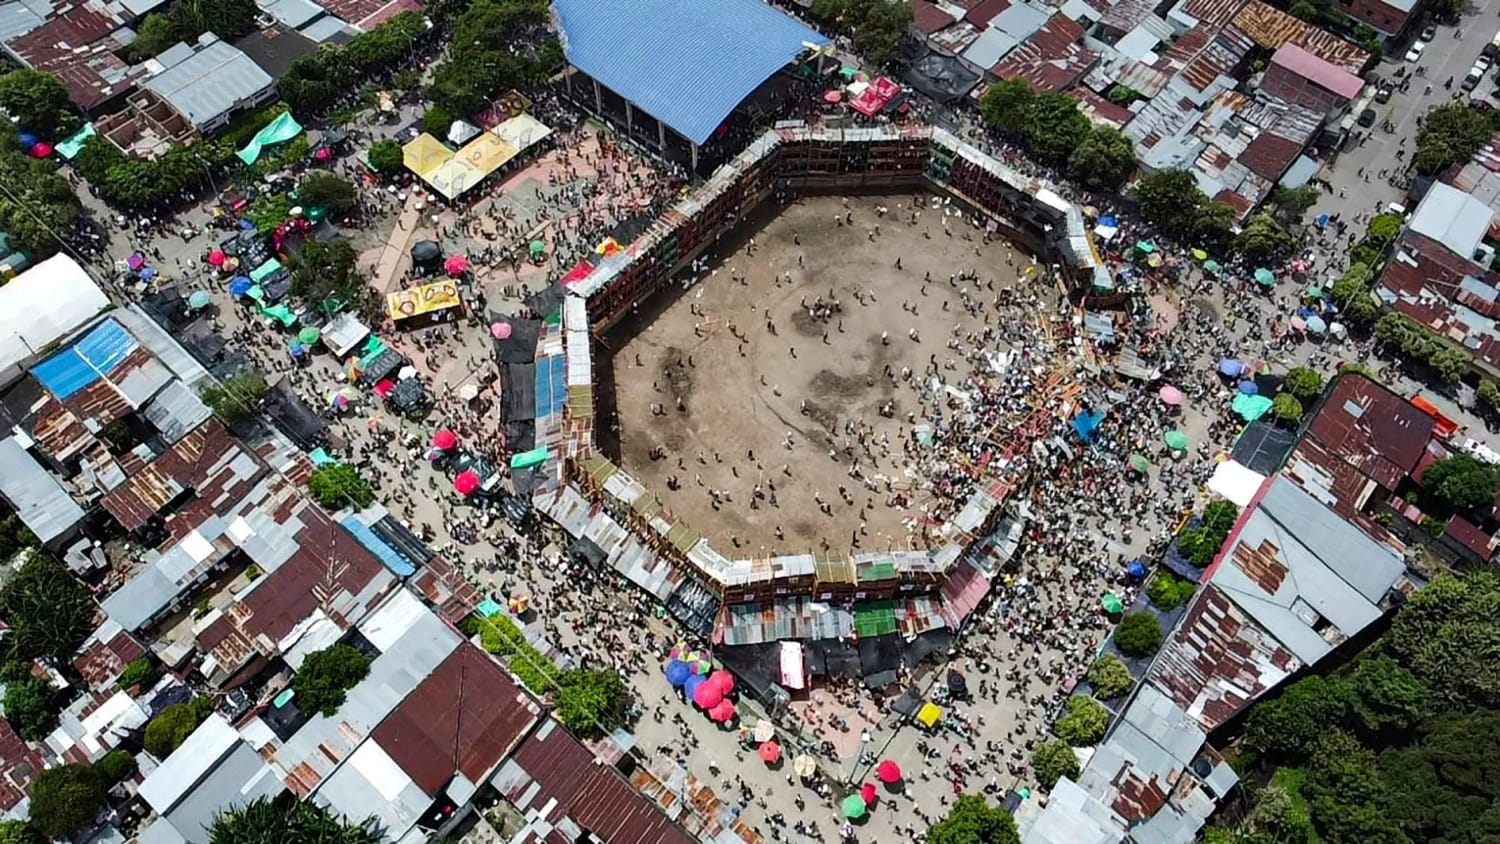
x: 537, y: 247
x: 262, y: 272
x: 527, y: 459
x: 320, y: 457
x: 256, y: 295
x: 280, y: 313
x: 1111, y: 603
x: 1250, y: 408
x: 1176, y: 440
x: 1314, y: 292
x: 69, y: 147
x: 278, y: 131
x: 1211, y: 266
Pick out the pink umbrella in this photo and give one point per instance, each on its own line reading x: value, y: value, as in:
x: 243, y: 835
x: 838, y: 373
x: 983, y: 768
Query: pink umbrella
x: 466, y: 482
x: 216, y: 258
x: 707, y: 695
x: 721, y: 713
x: 500, y: 330
x: 42, y: 149
x: 444, y: 439
x: 888, y: 772
x: 323, y: 154
x: 867, y: 793
x: 724, y: 680
x: 832, y: 96
x: 1298, y: 324
x: 456, y: 264
x: 1170, y: 395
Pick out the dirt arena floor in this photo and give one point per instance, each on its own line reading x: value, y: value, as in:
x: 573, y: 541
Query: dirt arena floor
x: 698, y: 374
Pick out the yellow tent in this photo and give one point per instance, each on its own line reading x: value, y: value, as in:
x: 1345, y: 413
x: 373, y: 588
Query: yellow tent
x: 425, y: 154
x: 487, y: 153
x: 453, y: 178
x: 929, y: 714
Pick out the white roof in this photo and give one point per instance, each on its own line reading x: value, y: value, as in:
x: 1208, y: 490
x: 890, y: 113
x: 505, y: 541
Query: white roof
x: 212, y: 80
x: 175, y: 777
x: 1452, y: 218
x: 42, y: 306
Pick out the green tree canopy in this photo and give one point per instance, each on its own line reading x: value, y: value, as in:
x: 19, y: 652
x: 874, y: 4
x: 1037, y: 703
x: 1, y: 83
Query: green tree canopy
x: 115, y: 766
x: 1293, y: 721
x: 140, y: 672
x: 386, y: 157
x: 156, y: 32
x: 1053, y: 760
x: 327, y: 269
x: 1351, y: 292
x: 1387, y: 697
x: 590, y: 702
x: 1448, y: 637
x: 326, y: 676
x: 1447, y: 787
x: 1286, y: 409
x: 29, y: 708
x: 1109, y: 677
x: 1005, y: 105
x: 48, y: 612
x: 1168, y: 591
x: 172, y: 726
x: 1139, y: 634
x: 265, y: 821
x: 1054, y: 127
x: 18, y: 832
x: 339, y: 485
x: 1083, y: 722
x: 39, y: 101
x: 236, y: 398
x: 1263, y: 238
x: 1383, y: 228
x: 972, y: 820
x: 1452, y: 133
x: 323, y: 189
x: 1104, y: 159
x: 1347, y: 792
x: 1304, y: 383
x: 65, y: 798
x: 878, y: 27
x: 15, y: 536
x: 1171, y: 200
x: 1292, y: 203
x: 1461, y: 481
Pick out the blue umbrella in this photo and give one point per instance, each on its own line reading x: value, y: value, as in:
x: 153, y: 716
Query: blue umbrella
x: 690, y: 686
x: 1249, y: 388
x: 148, y: 273
x: 1109, y: 221
x: 240, y: 285
x: 1322, y: 220
x: 27, y: 139
x: 1135, y: 569
x: 199, y: 300
x: 678, y: 672
x: 297, y: 349
x: 247, y: 225
x: 1230, y: 368
x: 1316, y: 325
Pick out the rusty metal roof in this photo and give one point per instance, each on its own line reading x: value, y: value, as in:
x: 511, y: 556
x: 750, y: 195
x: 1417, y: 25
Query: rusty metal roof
x: 104, y: 656
x: 75, y: 47
x: 1271, y: 28
x: 192, y: 463
x: 463, y: 718
x: 1365, y: 425
x: 447, y: 589
x: 1052, y: 59
x: 18, y: 765
x: 1214, y: 13
x: 1269, y: 155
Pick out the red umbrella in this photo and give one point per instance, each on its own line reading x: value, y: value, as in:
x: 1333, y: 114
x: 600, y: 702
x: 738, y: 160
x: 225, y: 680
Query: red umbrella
x: 888, y: 772
x: 466, y: 482
x: 724, y: 680
x: 832, y: 96
x: 769, y: 752
x: 721, y: 713
x: 867, y: 793
x: 707, y: 695
x: 216, y: 258
x: 456, y: 264
x: 42, y: 149
x: 444, y: 439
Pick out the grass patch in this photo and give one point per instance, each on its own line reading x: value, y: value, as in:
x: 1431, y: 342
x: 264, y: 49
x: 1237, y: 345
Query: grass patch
x: 1290, y: 780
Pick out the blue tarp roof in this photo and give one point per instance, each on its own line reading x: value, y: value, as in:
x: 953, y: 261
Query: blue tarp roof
x: 688, y: 63
x: 377, y: 546
x: 95, y: 355
x: 551, y: 385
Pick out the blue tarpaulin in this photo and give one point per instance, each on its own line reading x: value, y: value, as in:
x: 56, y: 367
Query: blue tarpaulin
x: 1086, y: 424
x: 95, y: 355
x: 688, y: 63
x: 489, y: 608
x: 551, y: 385
x: 377, y: 546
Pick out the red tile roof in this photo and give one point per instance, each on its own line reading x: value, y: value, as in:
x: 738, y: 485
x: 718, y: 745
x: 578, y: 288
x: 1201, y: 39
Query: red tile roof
x: 465, y: 717
x: 1315, y: 69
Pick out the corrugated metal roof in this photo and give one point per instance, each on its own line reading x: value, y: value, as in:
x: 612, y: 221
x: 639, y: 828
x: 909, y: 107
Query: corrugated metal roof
x: 1271, y: 28
x: 1453, y: 218
x: 37, y: 497
x: 687, y: 63
x: 1315, y: 69
x: 215, y: 80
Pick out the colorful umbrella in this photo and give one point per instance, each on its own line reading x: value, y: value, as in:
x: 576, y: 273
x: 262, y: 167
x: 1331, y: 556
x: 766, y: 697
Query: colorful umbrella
x: 537, y: 248
x: 42, y: 149
x: 707, y: 695
x: 1316, y: 325
x: 723, y: 712
x: 677, y: 672
x: 239, y: 286
x: 832, y: 96
x: 518, y: 604
x: 466, y: 482
x: 691, y: 684
x: 199, y: 300
x: 804, y: 765
x: 500, y: 330
x: 338, y: 401
x: 1249, y: 388
x: 1298, y: 324
x: 724, y: 680
x: 1200, y: 255
x: 764, y: 730
x: 888, y: 772
x: 1145, y: 246
x: 1176, y: 440
x: 1314, y: 292
x: 216, y: 258
x: 867, y: 793
x: 1264, y: 277
x: 854, y: 807
x: 1170, y: 395
x: 1139, y: 463
x: 1153, y: 260
x: 769, y: 752
x: 456, y: 264
x: 1111, y: 603
x: 701, y: 667
x: 444, y: 439
x: 309, y: 335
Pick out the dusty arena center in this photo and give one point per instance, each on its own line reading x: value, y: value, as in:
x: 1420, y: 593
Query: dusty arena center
x: 770, y: 358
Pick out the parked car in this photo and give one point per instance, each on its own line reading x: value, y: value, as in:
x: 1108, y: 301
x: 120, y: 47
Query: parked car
x: 1367, y: 118
x: 1484, y: 62
x: 1429, y: 32
x: 1384, y: 93
x: 1471, y: 81
x: 1415, y: 53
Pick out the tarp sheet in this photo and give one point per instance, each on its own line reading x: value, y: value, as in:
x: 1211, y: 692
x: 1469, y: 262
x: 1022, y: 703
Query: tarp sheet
x: 95, y: 355
x: 278, y: 131
x: 73, y: 144
x: 294, y: 417
x: 527, y: 459
x: 377, y: 546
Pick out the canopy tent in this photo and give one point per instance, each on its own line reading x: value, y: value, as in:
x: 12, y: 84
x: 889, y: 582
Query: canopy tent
x: 424, y: 299
x: 461, y: 132
x: 527, y: 459
x: 424, y: 154
x: 453, y: 178
x: 278, y: 131
x: 929, y: 714
x: 1235, y: 482
x: 343, y: 333
x: 69, y: 147
x: 1250, y: 406
x: 264, y: 271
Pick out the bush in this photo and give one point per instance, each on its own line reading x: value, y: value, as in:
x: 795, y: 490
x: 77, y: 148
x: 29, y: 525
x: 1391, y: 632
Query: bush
x: 115, y: 766
x: 18, y: 832
x: 1139, y: 634
x: 65, y: 798
x: 339, y: 485
x: 1168, y: 591
x: 140, y: 672
x: 386, y: 157
x: 171, y: 727
x: 1052, y: 761
x: 1084, y: 721
x: 326, y: 676
x: 1109, y: 677
x: 1286, y: 408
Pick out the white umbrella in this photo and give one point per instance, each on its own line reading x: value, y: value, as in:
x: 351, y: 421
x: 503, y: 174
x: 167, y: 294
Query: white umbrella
x: 764, y: 730
x: 406, y: 372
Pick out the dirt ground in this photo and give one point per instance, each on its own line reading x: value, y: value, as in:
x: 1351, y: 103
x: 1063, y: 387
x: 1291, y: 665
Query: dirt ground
x: 735, y: 405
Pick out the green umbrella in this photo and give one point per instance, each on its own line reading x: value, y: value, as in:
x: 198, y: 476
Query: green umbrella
x: 1139, y: 463
x: 1265, y: 277
x: 848, y: 72
x: 537, y: 247
x: 1211, y: 266
x: 1314, y: 292
x: 1145, y: 246
x: 309, y: 335
x: 1200, y: 254
x: 1176, y: 440
x: 854, y: 807
x: 199, y: 300
x: 1111, y: 603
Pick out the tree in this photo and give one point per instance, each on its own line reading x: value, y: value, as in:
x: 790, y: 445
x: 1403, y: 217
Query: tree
x: 1449, y: 363
x: 1304, y: 383
x: 29, y: 709
x: 1448, y: 637
x: 139, y: 672
x: 1346, y: 792
x: 1105, y: 158
x: 972, y: 820
x: 1168, y: 591
x: 1387, y: 697
x: 1460, y: 481
x: 1220, y: 515
x: 1054, y: 126
x: 1292, y: 722
x: 437, y: 120
x: 18, y: 832
x: 1109, y: 677
x: 339, y: 485
x: 1123, y: 95
x: 1351, y: 292
x: 878, y: 27
x: 1292, y: 203
x: 172, y: 726
x: 264, y: 820
x: 15, y: 537
x: 326, y: 676
x: 386, y: 157
x: 322, y: 189
x: 236, y: 398
x: 116, y: 766
x: 1005, y: 104
x: 1286, y: 409
x: 1281, y: 816
x: 1383, y: 229
x: 590, y: 702
x: 1262, y: 237
x: 228, y: 19
x: 327, y: 269
x: 1488, y: 393
x: 1169, y: 199
x: 48, y: 612
x: 1445, y: 787
x: 65, y: 798
x: 156, y: 33
x: 1083, y: 722
x: 1053, y: 760
x: 1212, y: 221
x: 1139, y: 634
x: 38, y: 101
x: 1452, y: 133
